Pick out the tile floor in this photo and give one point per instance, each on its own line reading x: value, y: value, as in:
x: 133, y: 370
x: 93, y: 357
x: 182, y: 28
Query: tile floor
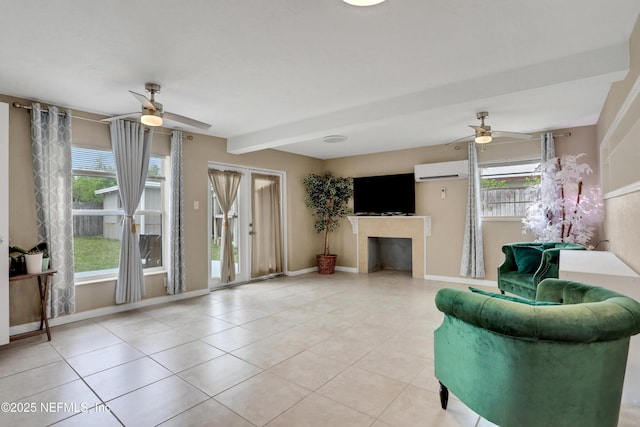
x: 342, y: 350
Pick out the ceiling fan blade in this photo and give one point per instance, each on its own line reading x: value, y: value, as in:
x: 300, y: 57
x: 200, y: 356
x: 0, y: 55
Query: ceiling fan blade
x: 480, y: 128
x: 463, y: 139
x: 146, y: 103
x: 122, y: 116
x: 186, y: 120
x: 515, y: 135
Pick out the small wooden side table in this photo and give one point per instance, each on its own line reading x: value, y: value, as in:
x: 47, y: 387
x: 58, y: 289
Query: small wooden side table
x: 44, y: 281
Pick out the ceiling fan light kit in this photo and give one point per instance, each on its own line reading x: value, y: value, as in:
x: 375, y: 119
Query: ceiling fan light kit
x: 151, y: 118
x: 483, y: 133
x: 483, y: 138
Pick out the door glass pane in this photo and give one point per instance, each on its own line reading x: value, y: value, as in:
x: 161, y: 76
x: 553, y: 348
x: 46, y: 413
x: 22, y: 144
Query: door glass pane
x: 216, y: 232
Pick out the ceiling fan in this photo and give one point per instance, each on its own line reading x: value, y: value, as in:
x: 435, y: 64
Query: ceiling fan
x: 483, y: 133
x: 152, y: 113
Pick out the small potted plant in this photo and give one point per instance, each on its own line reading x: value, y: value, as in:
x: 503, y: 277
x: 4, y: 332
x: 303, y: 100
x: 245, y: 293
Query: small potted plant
x: 328, y: 196
x: 33, y: 258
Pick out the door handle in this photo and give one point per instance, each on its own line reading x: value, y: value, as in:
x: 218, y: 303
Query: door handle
x: 251, y: 233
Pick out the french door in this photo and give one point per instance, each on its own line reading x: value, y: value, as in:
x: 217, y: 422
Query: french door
x: 255, y: 224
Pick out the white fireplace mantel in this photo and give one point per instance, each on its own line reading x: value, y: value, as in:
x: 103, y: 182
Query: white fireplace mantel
x: 416, y: 228
x: 426, y: 219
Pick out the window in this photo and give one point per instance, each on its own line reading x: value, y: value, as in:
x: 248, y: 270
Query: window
x: 504, y: 188
x: 97, y: 214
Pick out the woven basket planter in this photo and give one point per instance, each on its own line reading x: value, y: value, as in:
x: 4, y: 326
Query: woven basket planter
x: 326, y: 263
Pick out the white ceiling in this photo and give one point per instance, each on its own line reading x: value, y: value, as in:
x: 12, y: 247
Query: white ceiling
x: 284, y: 73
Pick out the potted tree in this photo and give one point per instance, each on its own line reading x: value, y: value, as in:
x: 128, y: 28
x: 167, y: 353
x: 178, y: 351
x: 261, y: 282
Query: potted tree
x: 328, y: 196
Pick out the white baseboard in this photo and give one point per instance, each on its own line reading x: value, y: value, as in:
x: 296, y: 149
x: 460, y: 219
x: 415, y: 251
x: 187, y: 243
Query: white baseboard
x: 463, y: 280
x: 315, y: 270
x: 89, y: 314
x: 301, y: 272
x: 346, y: 269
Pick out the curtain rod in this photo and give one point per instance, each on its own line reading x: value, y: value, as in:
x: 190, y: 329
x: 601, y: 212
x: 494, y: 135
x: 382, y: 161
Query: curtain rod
x: 45, y: 109
x: 558, y: 135
x: 29, y: 108
x: 456, y: 145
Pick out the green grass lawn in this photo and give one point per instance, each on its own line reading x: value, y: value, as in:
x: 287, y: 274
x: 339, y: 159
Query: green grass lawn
x: 92, y: 253
x: 215, y: 252
x: 95, y: 253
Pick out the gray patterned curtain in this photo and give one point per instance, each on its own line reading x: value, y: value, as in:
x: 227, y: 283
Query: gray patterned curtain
x: 51, y: 149
x: 176, y: 272
x: 548, y: 152
x: 548, y: 148
x: 472, y: 252
x: 131, y: 148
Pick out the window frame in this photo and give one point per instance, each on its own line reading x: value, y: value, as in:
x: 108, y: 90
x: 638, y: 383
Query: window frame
x: 111, y: 274
x: 534, y: 173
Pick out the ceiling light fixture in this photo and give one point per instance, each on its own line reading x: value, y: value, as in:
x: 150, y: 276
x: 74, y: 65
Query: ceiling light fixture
x: 332, y: 139
x: 483, y: 137
x: 151, y: 118
x: 363, y: 2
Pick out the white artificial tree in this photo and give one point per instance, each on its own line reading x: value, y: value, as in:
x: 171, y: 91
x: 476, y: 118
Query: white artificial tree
x: 566, y: 211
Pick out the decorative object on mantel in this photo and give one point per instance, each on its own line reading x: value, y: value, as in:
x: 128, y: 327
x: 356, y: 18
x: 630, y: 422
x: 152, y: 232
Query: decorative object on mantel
x: 566, y: 211
x: 328, y: 196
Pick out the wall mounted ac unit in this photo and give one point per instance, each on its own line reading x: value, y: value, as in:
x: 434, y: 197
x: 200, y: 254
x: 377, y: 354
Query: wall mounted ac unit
x: 443, y: 170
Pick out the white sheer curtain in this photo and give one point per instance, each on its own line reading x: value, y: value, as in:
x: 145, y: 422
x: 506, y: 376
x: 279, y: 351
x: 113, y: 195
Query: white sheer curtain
x: 472, y: 251
x: 51, y: 149
x: 225, y: 184
x: 176, y: 272
x: 131, y: 148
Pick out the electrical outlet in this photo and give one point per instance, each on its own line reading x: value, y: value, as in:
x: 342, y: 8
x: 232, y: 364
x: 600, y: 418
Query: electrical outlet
x: 196, y: 204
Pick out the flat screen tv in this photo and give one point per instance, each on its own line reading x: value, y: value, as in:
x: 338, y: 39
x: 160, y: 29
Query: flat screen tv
x: 384, y: 195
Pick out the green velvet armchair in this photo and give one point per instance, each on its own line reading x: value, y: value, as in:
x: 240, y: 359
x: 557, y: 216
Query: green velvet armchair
x: 525, y: 364
x: 528, y: 263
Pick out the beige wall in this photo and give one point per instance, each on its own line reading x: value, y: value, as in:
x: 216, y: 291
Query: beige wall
x: 444, y: 246
x: 618, y: 133
x: 301, y: 240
